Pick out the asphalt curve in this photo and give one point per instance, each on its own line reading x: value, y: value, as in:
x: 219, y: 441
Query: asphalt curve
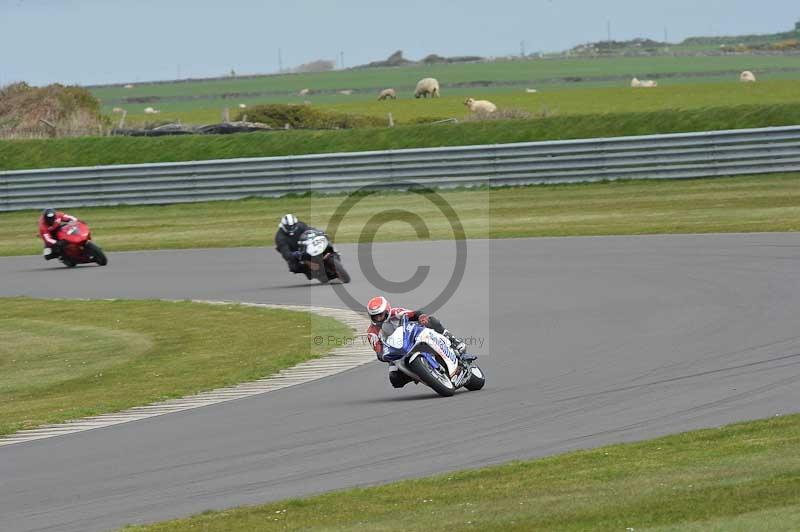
x: 586, y: 341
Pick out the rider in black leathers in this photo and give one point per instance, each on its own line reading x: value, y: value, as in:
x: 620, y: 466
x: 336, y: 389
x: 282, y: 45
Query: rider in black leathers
x: 286, y: 242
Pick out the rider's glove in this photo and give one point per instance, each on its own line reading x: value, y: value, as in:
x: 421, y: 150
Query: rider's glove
x: 457, y: 343
x: 460, y: 346
x: 297, y: 255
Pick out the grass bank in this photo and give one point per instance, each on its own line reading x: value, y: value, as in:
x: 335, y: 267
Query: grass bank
x: 739, y: 477
x: 63, y: 360
x: 719, y: 205
x: 91, y: 151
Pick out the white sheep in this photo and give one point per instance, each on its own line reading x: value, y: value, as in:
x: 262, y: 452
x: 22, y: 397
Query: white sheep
x: 531, y: 91
x: 427, y: 86
x: 242, y: 106
x: 387, y: 94
x: 747, y: 77
x: 480, y: 106
x: 346, y: 92
x: 304, y: 92
x: 117, y: 110
x: 644, y: 83
x: 151, y: 111
x: 128, y: 86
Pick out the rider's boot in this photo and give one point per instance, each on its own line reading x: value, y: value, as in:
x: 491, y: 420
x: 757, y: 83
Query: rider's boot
x: 398, y: 378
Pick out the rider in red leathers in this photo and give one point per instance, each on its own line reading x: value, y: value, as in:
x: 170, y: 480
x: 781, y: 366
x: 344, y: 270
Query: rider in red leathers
x: 49, y: 223
x: 381, y: 313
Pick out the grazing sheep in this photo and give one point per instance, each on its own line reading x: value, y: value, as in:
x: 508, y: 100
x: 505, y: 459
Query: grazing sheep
x: 128, y: 86
x: 151, y: 111
x: 117, y: 110
x: 304, y: 92
x: 531, y: 91
x: 387, y: 94
x: 644, y: 84
x: 747, y: 77
x: 480, y: 106
x: 242, y: 106
x: 427, y: 86
x: 346, y: 92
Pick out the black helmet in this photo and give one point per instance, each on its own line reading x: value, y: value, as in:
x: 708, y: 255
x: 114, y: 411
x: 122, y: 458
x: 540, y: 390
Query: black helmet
x: 49, y: 217
x: 289, y: 224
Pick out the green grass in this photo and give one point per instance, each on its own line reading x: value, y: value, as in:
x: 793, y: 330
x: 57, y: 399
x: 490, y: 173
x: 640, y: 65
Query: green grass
x: 91, y: 151
x: 739, y: 477
x: 63, y: 360
x: 734, y: 204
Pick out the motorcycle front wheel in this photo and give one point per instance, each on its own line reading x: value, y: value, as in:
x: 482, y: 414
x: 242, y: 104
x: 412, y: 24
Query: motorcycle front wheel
x: 95, y: 254
x: 433, y: 377
x: 341, y: 273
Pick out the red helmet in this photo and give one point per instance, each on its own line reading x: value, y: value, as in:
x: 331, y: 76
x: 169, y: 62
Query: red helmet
x: 378, y: 309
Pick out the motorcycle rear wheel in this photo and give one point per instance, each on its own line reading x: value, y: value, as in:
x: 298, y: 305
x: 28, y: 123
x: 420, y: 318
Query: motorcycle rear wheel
x: 476, y: 379
x: 440, y: 383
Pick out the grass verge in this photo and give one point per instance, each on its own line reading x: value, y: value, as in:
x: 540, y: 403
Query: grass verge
x: 718, y: 205
x: 64, y: 359
x: 739, y: 477
x: 91, y: 151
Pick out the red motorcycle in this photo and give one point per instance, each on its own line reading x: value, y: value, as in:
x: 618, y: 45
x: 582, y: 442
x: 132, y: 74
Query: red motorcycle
x: 78, y: 246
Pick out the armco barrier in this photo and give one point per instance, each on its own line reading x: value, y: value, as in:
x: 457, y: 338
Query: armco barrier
x: 713, y: 153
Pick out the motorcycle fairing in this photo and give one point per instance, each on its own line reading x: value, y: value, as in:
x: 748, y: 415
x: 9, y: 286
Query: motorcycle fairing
x: 408, y: 335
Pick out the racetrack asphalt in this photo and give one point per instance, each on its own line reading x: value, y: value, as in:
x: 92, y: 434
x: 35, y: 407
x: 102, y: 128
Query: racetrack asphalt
x: 587, y: 341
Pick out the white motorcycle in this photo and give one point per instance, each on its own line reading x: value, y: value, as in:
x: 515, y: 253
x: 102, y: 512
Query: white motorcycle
x: 320, y: 260
x: 427, y: 356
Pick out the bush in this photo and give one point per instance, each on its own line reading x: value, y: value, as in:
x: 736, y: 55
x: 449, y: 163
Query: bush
x: 24, y: 108
x: 306, y: 117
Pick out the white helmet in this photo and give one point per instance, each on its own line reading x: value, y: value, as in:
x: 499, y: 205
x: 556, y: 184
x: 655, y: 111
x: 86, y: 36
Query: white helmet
x: 289, y: 224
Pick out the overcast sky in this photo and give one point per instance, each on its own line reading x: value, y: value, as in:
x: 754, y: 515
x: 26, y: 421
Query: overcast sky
x: 105, y: 41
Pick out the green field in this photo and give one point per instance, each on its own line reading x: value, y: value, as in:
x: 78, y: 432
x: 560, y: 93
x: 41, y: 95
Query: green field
x: 63, y: 359
x: 558, y: 101
x: 743, y: 477
x: 550, y: 71
x: 602, y: 100
x: 736, y: 204
x: 91, y: 151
